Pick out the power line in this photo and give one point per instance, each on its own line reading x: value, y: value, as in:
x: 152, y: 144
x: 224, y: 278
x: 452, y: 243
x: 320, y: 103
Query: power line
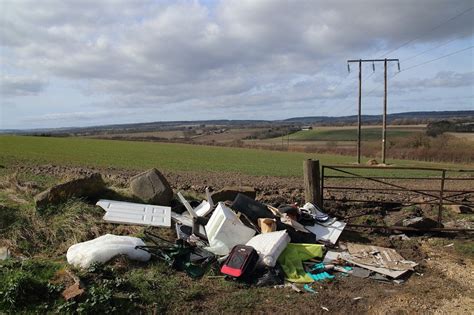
x: 429, y: 31
x: 444, y: 56
x: 428, y: 50
x: 424, y: 63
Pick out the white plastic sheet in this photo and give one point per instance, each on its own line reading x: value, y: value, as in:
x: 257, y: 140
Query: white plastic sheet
x: 329, y: 233
x: 104, y: 248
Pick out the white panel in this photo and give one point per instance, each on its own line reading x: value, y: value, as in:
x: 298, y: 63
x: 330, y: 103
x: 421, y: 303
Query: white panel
x: 224, y: 230
x: 327, y: 233
x: 135, y: 213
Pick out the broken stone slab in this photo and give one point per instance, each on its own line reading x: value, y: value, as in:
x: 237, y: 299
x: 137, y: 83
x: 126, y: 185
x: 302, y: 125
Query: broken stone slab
x: 419, y: 223
x: 461, y: 209
x: 152, y: 187
x: 89, y: 187
x: 230, y: 192
x: 72, y: 291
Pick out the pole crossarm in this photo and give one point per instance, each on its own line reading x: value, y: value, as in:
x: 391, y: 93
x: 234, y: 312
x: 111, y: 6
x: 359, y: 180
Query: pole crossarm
x: 371, y: 60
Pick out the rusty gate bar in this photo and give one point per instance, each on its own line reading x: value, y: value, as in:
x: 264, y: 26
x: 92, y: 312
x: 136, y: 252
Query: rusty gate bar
x: 385, y: 183
x: 441, y: 195
x: 444, y: 196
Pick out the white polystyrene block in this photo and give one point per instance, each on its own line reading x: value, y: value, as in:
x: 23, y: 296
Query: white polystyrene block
x: 104, y: 248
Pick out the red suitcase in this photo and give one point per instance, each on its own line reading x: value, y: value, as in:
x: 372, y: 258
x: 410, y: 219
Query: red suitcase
x: 241, y: 261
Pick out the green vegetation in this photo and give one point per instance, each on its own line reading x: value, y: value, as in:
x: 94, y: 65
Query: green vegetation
x: 368, y: 134
x: 434, y: 129
x: 166, y: 156
x: 26, y: 284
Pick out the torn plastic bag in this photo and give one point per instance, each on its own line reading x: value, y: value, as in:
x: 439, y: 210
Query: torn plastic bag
x: 104, y: 248
x: 269, y: 246
x: 271, y: 276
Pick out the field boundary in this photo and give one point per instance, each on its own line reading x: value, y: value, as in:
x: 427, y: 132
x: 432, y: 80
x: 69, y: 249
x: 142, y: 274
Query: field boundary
x: 384, y: 185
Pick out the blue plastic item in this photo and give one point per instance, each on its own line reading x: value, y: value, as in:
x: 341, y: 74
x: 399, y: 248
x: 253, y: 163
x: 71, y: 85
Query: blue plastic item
x: 321, y: 276
x: 308, y: 288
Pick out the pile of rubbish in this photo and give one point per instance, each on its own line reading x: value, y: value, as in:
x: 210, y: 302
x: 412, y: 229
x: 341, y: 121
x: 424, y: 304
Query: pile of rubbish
x: 245, y: 240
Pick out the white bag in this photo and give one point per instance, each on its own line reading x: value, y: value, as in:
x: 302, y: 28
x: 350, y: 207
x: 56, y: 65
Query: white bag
x: 104, y: 248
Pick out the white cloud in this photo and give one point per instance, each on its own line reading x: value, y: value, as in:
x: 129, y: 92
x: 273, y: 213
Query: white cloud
x: 162, y: 54
x: 443, y: 79
x: 12, y: 86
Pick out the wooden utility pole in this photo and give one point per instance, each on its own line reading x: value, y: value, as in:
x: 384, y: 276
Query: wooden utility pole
x: 359, y: 116
x: 312, y: 186
x: 384, y: 119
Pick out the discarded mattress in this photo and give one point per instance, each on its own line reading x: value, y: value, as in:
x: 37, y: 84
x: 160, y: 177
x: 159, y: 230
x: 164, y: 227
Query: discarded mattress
x: 329, y: 233
x: 224, y: 230
x: 269, y: 246
x: 104, y: 248
x: 135, y: 213
x: 379, y: 259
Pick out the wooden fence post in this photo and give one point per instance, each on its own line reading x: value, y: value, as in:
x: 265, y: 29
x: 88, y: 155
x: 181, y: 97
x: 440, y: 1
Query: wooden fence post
x: 312, y: 187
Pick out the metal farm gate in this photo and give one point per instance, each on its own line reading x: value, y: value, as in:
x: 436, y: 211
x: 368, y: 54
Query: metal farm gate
x: 398, y: 185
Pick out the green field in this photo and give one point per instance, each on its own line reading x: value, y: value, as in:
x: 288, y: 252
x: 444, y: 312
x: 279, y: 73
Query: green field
x: 368, y: 134
x: 165, y: 156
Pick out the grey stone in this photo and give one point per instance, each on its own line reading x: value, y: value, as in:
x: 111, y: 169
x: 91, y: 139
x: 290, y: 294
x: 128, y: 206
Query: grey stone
x: 229, y: 193
x: 419, y: 223
x: 152, y: 187
x: 89, y: 187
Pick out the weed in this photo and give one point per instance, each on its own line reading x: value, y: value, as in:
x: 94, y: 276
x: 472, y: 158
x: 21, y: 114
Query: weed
x: 24, y: 285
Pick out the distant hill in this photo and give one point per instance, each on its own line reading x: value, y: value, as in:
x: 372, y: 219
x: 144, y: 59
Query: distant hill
x: 398, y: 118
x: 420, y: 116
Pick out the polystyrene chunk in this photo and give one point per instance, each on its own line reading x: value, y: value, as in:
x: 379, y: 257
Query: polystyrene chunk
x: 104, y: 248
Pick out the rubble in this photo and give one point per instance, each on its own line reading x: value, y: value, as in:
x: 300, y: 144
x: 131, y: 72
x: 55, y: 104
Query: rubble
x: 89, y: 187
x: 152, y: 187
x: 72, y: 291
x: 419, y: 223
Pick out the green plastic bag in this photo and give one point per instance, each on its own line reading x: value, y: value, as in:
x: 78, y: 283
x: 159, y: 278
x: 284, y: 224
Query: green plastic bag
x: 291, y: 260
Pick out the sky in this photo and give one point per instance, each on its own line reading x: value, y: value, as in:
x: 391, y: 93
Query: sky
x: 96, y: 62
